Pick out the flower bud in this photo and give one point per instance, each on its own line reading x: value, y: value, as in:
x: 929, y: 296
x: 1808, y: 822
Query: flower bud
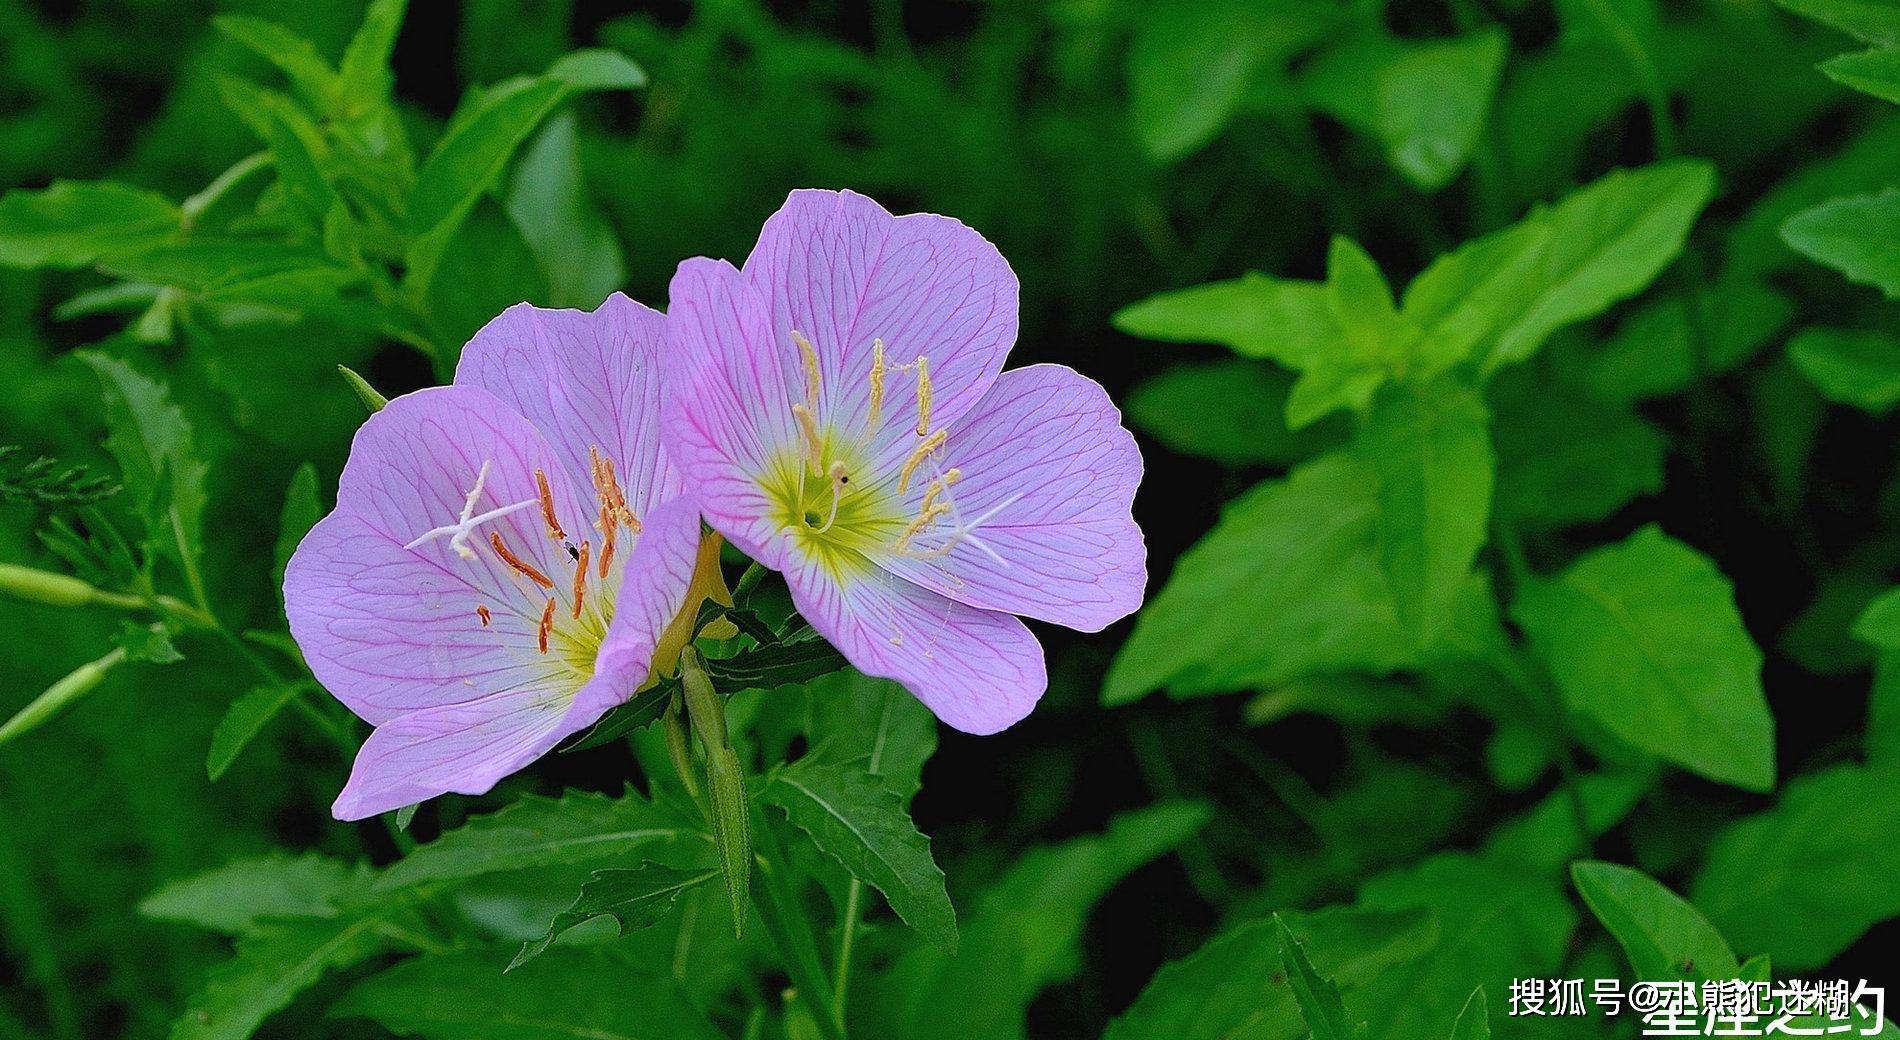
x: 59, y: 590
x: 77, y: 683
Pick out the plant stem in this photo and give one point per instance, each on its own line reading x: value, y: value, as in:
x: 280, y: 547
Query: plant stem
x: 848, y: 934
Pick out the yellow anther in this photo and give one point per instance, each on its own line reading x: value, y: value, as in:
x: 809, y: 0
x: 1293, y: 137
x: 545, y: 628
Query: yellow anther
x: 923, y: 395
x: 814, y: 448
x: 877, y: 382
x: 924, y: 519
x: 938, y: 487
x: 810, y: 355
x: 917, y: 456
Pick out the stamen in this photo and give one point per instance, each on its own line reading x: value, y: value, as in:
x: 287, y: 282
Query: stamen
x: 482, y: 612
x: 547, y: 625
x: 527, y: 570
x: 810, y: 355
x: 917, y: 455
x: 939, y: 486
x: 580, y: 577
x: 877, y: 382
x: 607, y: 490
x: 608, y: 529
x: 923, y: 395
x: 924, y: 519
x: 547, y: 507
x: 814, y: 450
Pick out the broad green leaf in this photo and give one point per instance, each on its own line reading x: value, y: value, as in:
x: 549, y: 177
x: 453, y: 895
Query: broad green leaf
x: 364, y: 73
x: 1875, y: 72
x: 244, y: 720
x: 578, y: 827
x: 1605, y: 243
x: 1872, y: 21
x: 300, y: 513
x: 634, y: 897
x: 1495, y: 923
x: 1549, y: 835
x: 1863, y: 164
x: 859, y: 819
x: 549, y: 202
x: 245, y: 895
x: 1467, y: 295
x: 1432, y: 101
x: 1023, y: 933
x: 1854, y: 367
x: 1232, y: 411
x: 74, y: 223
x: 1255, y: 315
x: 1191, y: 65
x: 1318, y: 998
x: 489, y: 268
x: 151, y: 440
x: 482, y: 136
x: 566, y: 994
x: 1858, y: 235
x: 1353, y: 699
x: 309, y: 72
x: 1664, y: 937
x: 875, y: 723
x: 1431, y: 449
x: 1660, y: 350
x: 1803, y: 880
x: 1564, y: 458
x: 1474, y: 1022
x: 296, y: 144
x: 1236, y: 987
x: 272, y: 965
x: 1374, y: 342
x: 1287, y: 584
x: 1644, y: 637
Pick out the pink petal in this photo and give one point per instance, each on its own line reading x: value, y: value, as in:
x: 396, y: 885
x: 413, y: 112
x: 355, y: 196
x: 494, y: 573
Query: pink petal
x: 586, y: 380
x: 389, y: 630
x: 840, y: 269
x: 978, y: 670
x: 728, y: 417
x: 1045, y: 457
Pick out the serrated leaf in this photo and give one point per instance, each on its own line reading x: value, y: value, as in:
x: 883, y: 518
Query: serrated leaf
x: 272, y: 965
x: 634, y: 897
x: 859, y: 819
x: 1854, y: 367
x: 566, y: 994
x: 1856, y: 235
x: 578, y: 827
x: 1644, y: 637
x: 1803, y: 880
x: 244, y: 720
x: 874, y: 722
x: 1664, y: 937
x: 1318, y: 998
x: 74, y: 223
x: 245, y: 895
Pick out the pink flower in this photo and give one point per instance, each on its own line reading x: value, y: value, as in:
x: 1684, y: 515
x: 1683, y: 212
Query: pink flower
x: 505, y: 556
x: 839, y: 411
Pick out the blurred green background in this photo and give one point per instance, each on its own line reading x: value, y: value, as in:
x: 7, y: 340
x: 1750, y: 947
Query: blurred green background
x: 1112, y: 150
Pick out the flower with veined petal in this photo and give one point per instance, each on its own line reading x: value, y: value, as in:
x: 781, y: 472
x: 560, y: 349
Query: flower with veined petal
x: 509, y: 556
x: 839, y: 411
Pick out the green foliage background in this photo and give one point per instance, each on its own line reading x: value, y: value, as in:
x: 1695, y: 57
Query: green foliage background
x: 1515, y: 383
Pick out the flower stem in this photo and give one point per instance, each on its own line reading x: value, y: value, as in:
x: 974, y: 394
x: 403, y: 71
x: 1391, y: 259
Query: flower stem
x: 847, y: 940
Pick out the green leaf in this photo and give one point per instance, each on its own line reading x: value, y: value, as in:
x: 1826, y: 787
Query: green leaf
x: 875, y: 723
x: 1644, y: 637
x: 1883, y: 711
x: 1664, y: 937
x: 300, y: 513
x: 1875, y: 72
x: 1432, y: 101
x: 1803, y: 880
x: 147, y: 643
x: 1467, y: 295
x: 1288, y: 583
x: 1871, y: 21
x: 1431, y: 449
x: 1232, y: 411
x: 1879, y: 624
x: 296, y: 144
x: 365, y: 76
x: 1255, y: 315
x: 1319, y: 1000
x: 272, y: 965
x: 245, y: 895
x: 634, y: 898
x: 859, y: 820
x: 152, y: 442
x: 1659, y: 350
x: 1236, y: 986
x: 1606, y: 242
x: 309, y: 72
x: 1858, y: 236
x: 578, y: 827
x: 244, y: 720
x: 489, y: 267
x: 1474, y: 1022
x: 548, y: 201
x: 74, y: 223
x: 1565, y: 458
x: 1852, y: 367
x: 567, y: 994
